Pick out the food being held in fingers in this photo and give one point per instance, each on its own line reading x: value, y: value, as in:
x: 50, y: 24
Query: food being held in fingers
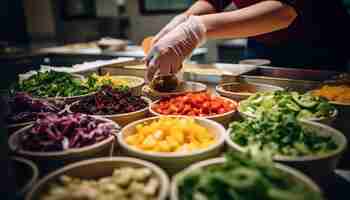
x: 280, y: 134
x: 52, y: 132
x: 168, y: 83
x: 194, y: 104
x: 339, y: 93
x: 171, y: 135
x: 125, y: 183
x: 303, y: 106
x: 244, y: 178
x: 109, y: 101
x: 147, y: 44
x: 23, y: 108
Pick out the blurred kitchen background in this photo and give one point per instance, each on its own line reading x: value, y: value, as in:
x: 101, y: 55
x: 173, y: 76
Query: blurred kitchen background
x: 30, y: 25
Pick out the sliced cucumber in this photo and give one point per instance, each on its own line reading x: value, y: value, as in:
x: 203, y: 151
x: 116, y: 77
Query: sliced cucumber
x: 293, y: 106
x: 304, y: 114
x: 243, y: 178
x: 306, y: 101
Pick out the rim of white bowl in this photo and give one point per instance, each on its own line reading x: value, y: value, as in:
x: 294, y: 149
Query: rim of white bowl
x: 34, y: 170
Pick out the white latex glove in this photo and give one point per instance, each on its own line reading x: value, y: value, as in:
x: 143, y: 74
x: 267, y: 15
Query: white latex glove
x: 167, y: 55
x: 177, y: 20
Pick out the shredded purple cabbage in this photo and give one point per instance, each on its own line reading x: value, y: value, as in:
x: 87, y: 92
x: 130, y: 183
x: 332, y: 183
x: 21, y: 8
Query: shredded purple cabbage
x: 53, y: 132
x: 23, y: 108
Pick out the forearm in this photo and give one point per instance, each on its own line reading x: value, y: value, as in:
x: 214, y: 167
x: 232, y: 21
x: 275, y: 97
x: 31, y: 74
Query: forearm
x: 201, y: 7
x: 263, y: 17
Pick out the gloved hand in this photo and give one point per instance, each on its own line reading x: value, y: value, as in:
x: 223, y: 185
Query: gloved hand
x: 167, y: 55
x: 170, y: 26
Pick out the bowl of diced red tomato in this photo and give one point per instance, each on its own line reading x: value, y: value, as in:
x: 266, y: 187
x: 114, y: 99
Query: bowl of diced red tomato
x: 203, y: 104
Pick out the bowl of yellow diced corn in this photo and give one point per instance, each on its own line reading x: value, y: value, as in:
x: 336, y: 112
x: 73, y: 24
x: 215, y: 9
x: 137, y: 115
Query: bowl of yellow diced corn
x: 173, y: 142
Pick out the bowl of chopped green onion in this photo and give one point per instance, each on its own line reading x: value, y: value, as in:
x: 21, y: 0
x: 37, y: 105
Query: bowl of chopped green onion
x: 53, y: 85
x: 312, y: 147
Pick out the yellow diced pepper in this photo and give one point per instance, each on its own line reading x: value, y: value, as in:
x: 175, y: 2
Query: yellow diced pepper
x: 149, y: 142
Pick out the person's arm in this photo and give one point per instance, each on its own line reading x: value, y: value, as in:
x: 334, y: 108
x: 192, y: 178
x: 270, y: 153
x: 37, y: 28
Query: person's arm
x: 201, y: 7
x: 169, y: 52
x: 263, y: 17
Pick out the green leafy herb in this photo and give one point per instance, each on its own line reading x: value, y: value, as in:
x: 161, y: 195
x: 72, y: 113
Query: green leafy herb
x: 56, y: 84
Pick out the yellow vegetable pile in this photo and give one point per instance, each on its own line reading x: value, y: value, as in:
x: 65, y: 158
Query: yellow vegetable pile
x: 171, y: 135
x: 108, y: 78
x: 339, y: 93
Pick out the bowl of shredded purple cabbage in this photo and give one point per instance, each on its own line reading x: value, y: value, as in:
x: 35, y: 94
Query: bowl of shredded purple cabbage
x: 59, y: 136
x: 24, y: 110
x: 117, y: 104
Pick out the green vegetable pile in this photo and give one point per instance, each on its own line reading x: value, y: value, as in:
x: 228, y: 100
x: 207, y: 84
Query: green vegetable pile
x: 279, y: 134
x: 243, y: 178
x: 304, y: 106
x: 57, y: 84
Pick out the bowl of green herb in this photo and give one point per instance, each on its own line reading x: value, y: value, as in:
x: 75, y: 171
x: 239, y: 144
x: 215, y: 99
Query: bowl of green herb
x: 302, y: 106
x: 312, y: 147
x: 53, y: 85
x: 237, y: 176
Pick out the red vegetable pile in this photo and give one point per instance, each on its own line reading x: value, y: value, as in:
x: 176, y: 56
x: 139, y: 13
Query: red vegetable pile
x: 52, y: 132
x: 23, y: 108
x: 194, y: 104
x: 109, y: 101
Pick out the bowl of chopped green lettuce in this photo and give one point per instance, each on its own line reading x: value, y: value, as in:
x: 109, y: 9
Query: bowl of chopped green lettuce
x: 238, y: 176
x: 302, y: 106
x: 312, y: 147
x: 53, y: 85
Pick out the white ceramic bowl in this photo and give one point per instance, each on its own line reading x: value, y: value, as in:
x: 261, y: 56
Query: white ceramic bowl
x: 97, y: 168
x: 296, y: 175
x: 318, y: 167
x: 173, y: 162
x: 11, y: 128
x: 232, y: 90
x: 223, y: 119
x: 50, y: 160
x: 124, y: 118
